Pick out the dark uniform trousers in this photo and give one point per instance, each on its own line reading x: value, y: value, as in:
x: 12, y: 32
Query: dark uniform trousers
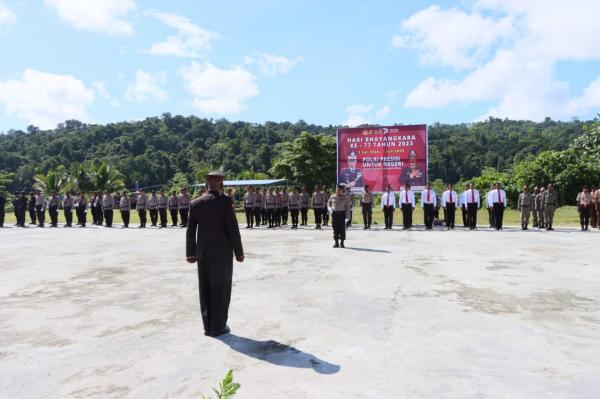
x: 183, y: 214
x: 338, y: 223
x: 21, y: 216
x: 125, y: 216
x: 407, y: 215
x: 265, y: 217
x: 367, y: 213
x: 304, y: 214
x: 214, y: 283
x: 68, y: 215
x: 492, y: 216
x: 53, y: 212
x: 153, y: 216
x: 40, y: 214
x: 498, y: 215
x: 277, y: 217
x: 257, y: 215
x: 472, y: 215
x: 325, y: 217
x: 249, y: 217
x: 463, y: 210
x: 294, y: 214
x: 428, y: 215
x: 81, y: 217
x: 173, y: 216
x: 32, y: 214
x: 271, y: 217
x: 2, y: 217
x: 388, y: 216
x: 162, y: 212
x: 450, y: 215
x: 584, y: 216
x: 142, y: 215
x: 318, y: 216
x: 108, y: 217
x: 284, y: 215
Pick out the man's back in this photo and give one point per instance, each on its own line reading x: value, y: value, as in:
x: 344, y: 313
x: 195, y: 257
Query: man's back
x: 212, y: 230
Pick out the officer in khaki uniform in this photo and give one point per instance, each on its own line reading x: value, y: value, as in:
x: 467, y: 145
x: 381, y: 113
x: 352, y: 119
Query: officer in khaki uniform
x: 53, y: 209
x: 534, y: 215
x: 318, y: 201
x: 304, y: 203
x: 550, y: 202
x: 153, y: 208
x: 366, y: 203
x: 326, y: 214
x: 173, y: 205
x: 285, y: 204
x: 294, y: 204
x: 584, y: 207
x: 125, y: 209
x: 162, y: 208
x: 108, y: 204
x: 539, y: 208
x: 249, y: 207
x: 184, y: 206
x: 82, y: 209
x: 68, y: 209
x: 524, y: 204
x: 270, y: 206
x: 142, y: 203
x: 339, y: 205
x: 258, y: 199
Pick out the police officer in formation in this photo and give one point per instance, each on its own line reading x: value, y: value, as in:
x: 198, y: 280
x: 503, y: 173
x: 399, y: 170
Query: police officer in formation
x: 68, y: 209
x: 534, y: 214
x: 53, y: 209
x: 2, y: 206
x: 285, y: 206
x: 258, y: 200
x: 294, y: 204
x: 125, y: 209
x: 81, y: 209
x: 31, y: 208
x: 162, y: 208
x: 249, y: 198
x: 549, y: 203
x: 428, y: 203
x: 40, y: 208
x: 498, y: 199
x: 153, y: 208
x: 407, y: 204
x: 318, y: 200
x: 326, y: 214
x: 184, y: 206
x: 449, y: 200
x: 584, y: 207
x: 388, y: 204
x: 173, y: 205
x: 304, y: 205
x: 339, y: 206
x: 524, y: 205
x: 141, y: 205
x: 366, y: 204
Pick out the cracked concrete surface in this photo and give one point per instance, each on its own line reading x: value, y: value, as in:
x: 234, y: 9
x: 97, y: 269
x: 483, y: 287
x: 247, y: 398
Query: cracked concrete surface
x: 100, y: 313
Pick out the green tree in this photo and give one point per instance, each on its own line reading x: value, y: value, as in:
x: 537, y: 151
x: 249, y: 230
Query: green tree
x: 54, y: 180
x: 308, y: 159
x: 104, y: 177
x: 5, y: 180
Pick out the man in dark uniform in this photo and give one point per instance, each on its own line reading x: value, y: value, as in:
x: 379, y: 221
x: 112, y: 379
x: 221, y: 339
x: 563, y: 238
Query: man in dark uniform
x: 31, y: 208
x: 21, y: 209
x: 351, y: 176
x: 53, y: 209
x: 2, y: 205
x: 213, y: 236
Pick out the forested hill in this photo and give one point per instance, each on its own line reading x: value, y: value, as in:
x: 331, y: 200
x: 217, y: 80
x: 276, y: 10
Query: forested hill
x: 153, y: 150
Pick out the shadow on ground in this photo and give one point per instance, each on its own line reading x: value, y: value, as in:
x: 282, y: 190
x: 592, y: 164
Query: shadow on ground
x: 278, y: 354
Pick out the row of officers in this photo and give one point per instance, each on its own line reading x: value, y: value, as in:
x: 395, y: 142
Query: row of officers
x: 101, y: 206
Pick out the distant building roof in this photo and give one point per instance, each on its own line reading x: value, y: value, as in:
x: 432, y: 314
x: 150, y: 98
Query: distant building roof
x: 268, y: 182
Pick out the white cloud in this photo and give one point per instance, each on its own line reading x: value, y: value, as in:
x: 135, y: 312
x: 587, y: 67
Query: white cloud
x: 357, y: 115
x: 219, y: 91
x: 101, y: 88
x: 452, y: 37
x: 189, y: 41
x: 514, y: 70
x: 147, y: 86
x: 105, y: 16
x: 271, y: 64
x: 382, y: 112
x: 7, y: 17
x: 45, y: 99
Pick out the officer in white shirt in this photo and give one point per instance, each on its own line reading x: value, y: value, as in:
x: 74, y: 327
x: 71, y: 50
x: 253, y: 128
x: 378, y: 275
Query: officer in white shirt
x: 388, y: 204
x: 490, y: 205
x: 498, y: 199
x: 449, y: 199
x: 407, y: 204
x: 428, y: 203
x: 473, y: 202
x: 463, y: 206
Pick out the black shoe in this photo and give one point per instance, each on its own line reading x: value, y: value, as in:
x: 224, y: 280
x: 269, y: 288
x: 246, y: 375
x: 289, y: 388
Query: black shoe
x: 342, y: 244
x: 226, y: 330
x: 365, y: 228
x: 336, y: 245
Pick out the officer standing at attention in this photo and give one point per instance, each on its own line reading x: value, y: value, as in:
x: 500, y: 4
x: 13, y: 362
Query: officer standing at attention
x: 350, y: 196
x: 184, y: 206
x: 473, y: 205
x: 270, y: 205
x: 304, y: 203
x: 428, y: 203
x: 407, y: 204
x: 490, y: 205
x: 550, y: 201
x: 366, y: 203
x: 21, y: 209
x: 31, y: 208
x: 142, y: 203
x: 173, y: 204
x: 539, y: 206
x: 2, y: 206
x: 264, y: 207
x: 68, y: 209
x: 318, y: 201
x: 212, y: 237
x: 108, y: 204
x: 125, y: 208
x: 449, y: 198
x: 388, y: 204
x: 584, y: 207
x: 162, y: 208
x: 339, y: 204
x: 40, y: 208
x: 294, y: 207
x: 81, y: 209
x: 536, y: 191
x: 463, y: 206
x: 499, y: 204
x: 249, y: 207
x: 258, y: 199
x: 153, y: 208
x: 524, y: 204
x: 285, y: 206
x: 53, y: 209
x: 326, y: 214
x: 278, y: 208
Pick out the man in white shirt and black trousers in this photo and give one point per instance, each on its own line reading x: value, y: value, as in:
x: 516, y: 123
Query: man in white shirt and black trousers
x: 407, y: 203
x: 449, y: 204
x: 428, y: 203
x: 473, y: 201
x: 388, y: 203
x: 498, y: 199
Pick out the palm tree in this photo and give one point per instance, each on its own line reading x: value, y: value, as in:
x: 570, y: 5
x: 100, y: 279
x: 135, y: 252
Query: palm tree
x: 104, y: 177
x: 54, y: 180
x: 80, y: 178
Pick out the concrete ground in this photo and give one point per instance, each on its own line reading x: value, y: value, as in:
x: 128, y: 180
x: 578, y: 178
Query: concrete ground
x: 112, y: 313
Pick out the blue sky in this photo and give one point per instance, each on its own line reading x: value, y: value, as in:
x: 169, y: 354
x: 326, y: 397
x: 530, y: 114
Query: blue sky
x: 326, y: 62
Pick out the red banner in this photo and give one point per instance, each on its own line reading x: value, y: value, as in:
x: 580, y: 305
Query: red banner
x: 382, y: 156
